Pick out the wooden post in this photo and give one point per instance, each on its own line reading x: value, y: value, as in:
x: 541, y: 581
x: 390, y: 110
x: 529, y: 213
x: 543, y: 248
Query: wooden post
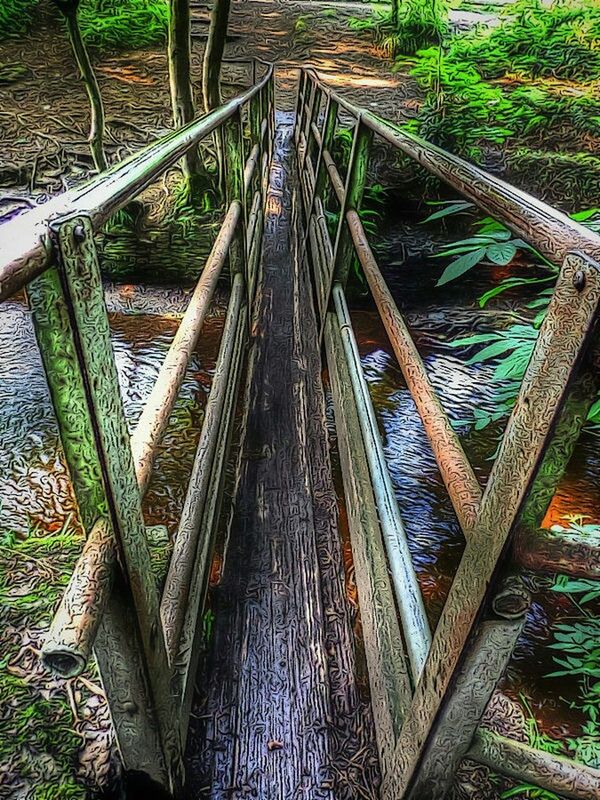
x: 233, y: 149
x: 300, y: 105
x: 118, y: 646
x: 559, y: 386
x: 489, y: 652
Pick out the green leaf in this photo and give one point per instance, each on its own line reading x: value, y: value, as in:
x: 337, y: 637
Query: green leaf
x: 461, y: 265
x: 501, y: 253
x: 492, y: 351
x: 457, y: 207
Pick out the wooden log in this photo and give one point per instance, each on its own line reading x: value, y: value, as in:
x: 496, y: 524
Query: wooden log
x: 407, y: 592
x: 456, y: 471
x: 386, y: 659
x: 68, y: 644
x: 489, y: 652
x: 552, y: 551
x: 543, y: 428
x: 525, y: 764
x: 157, y: 411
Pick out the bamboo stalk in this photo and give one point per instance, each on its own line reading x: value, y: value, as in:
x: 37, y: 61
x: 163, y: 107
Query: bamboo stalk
x: 69, y: 641
x: 406, y: 587
x: 158, y: 408
x: 456, y: 471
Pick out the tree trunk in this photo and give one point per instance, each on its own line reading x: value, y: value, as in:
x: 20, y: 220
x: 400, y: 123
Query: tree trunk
x: 182, y: 97
x: 68, y: 9
x: 394, y: 13
x: 213, y: 55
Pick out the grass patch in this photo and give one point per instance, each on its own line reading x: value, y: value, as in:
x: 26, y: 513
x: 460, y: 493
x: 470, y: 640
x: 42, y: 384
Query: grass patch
x: 130, y: 24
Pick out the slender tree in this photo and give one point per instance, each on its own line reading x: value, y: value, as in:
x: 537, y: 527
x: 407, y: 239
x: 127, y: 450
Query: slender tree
x: 68, y: 9
x: 213, y: 55
x: 182, y: 96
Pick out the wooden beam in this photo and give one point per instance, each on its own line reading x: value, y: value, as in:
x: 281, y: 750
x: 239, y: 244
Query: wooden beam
x: 386, y: 659
x: 523, y: 763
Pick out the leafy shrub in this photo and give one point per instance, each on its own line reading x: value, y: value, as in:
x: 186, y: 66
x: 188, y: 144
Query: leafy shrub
x: 415, y: 23
x: 128, y: 24
x: 15, y: 16
x: 560, y: 40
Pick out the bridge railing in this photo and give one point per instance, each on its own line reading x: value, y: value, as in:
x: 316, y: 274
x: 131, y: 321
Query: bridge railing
x: 431, y: 688
x: 144, y: 635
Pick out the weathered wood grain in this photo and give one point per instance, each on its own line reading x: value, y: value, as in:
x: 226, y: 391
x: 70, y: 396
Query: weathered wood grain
x: 284, y: 716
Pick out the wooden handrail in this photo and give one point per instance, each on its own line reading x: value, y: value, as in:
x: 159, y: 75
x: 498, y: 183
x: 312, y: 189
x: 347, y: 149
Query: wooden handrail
x: 25, y: 244
x: 550, y: 231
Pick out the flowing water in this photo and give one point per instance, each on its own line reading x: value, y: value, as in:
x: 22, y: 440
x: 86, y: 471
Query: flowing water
x: 34, y: 485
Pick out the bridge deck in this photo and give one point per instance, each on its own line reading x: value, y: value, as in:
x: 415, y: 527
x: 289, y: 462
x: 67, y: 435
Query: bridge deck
x: 283, y: 715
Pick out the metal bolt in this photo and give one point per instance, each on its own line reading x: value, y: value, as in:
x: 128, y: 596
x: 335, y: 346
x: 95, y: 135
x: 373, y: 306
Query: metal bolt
x: 129, y: 707
x: 579, y: 280
x: 79, y: 233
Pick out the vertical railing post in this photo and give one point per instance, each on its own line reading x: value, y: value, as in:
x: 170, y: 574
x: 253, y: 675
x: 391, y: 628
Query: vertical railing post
x: 72, y: 330
x: 233, y: 149
x: 356, y: 178
x: 300, y: 105
x: 343, y: 252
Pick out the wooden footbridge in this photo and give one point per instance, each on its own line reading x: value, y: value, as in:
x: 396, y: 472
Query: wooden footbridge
x: 285, y: 717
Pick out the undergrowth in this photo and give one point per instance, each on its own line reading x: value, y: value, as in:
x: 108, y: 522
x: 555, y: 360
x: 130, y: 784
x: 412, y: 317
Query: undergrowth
x: 412, y: 24
x: 105, y: 24
x: 494, y: 85
x: 38, y: 742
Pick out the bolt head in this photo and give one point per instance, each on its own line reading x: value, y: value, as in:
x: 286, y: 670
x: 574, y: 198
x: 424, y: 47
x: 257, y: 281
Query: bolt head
x: 579, y: 280
x: 79, y: 233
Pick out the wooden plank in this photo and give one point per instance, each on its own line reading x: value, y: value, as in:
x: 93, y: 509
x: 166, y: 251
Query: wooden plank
x: 282, y: 711
x: 541, y: 434
x: 387, y: 664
